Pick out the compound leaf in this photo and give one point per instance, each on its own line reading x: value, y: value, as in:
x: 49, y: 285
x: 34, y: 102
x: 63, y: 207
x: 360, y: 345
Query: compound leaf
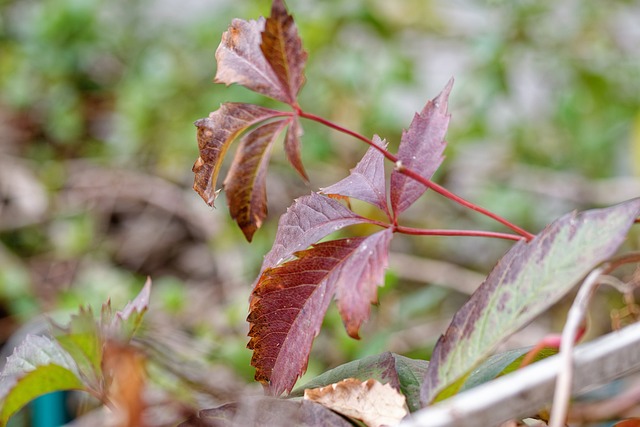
x: 282, y: 48
x: 290, y: 301
x: 240, y: 60
x: 245, y: 184
x: 529, y: 278
x: 366, y: 181
x: 421, y: 149
x: 215, y: 135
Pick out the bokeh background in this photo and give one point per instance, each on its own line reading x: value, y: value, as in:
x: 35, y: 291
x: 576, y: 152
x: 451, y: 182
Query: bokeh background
x: 97, y: 101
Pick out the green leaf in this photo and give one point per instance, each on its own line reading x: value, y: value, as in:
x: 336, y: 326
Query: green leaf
x: 527, y: 280
x: 502, y: 364
x: 400, y: 372
x: 38, y: 366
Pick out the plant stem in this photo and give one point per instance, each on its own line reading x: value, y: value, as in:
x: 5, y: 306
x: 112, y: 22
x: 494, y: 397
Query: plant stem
x: 425, y: 181
x: 469, y: 233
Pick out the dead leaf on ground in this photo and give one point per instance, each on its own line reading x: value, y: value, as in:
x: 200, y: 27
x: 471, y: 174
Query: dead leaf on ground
x: 371, y: 402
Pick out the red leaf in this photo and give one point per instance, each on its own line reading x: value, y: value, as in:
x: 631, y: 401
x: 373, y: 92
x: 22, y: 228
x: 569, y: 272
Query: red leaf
x: 527, y: 280
x: 366, y: 181
x: 421, y: 149
x: 282, y: 47
x: 308, y: 220
x: 215, y: 134
x: 292, y: 147
x: 290, y: 301
x: 240, y: 60
x: 358, y: 289
x: 245, y: 184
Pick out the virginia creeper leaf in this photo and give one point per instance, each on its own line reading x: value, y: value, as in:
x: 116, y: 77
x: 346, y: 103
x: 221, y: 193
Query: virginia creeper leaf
x: 215, y: 134
x: 36, y: 367
x: 240, y: 60
x: 246, y: 182
x: 421, y: 149
x: 290, y: 301
x: 357, y: 288
x: 529, y: 278
x: 307, y: 220
x: 292, y: 147
x: 128, y: 320
x: 282, y: 48
x: 366, y: 181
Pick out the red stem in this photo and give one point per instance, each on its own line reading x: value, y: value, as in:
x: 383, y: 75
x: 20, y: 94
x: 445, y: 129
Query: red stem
x: 426, y: 182
x: 470, y: 233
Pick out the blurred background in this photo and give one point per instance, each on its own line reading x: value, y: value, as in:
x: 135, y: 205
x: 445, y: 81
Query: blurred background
x: 97, y: 101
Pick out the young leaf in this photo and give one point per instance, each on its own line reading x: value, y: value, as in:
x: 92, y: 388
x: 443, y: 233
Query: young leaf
x: 283, y: 50
x: 528, y: 279
x: 240, y: 60
x: 245, y: 184
x: 128, y: 320
x: 215, y: 134
x: 373, y: 403
x: 421, y: 149
x: 308, y: 220
x: 366, y: 181
x: 290, y: 301
x: 292, y: 147
x: 36, y: 367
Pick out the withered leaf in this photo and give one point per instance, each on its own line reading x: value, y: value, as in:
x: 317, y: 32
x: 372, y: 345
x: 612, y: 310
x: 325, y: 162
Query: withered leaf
x: 240, y: 60
x: 421, y: 149
x: 245, y: 184
x: 292, y: 147
x: 290, y: 301
x: 215, y: 134
x: 528, y: 279
x: 282, y: 48
x: 373, y: 403
x: 366, y: 181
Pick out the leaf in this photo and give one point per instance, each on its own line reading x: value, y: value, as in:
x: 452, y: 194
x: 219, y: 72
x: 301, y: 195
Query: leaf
x: 215, y: 134
x: 282, y: 48
x: 366, y: 181
x: 267, y: 412
x: 126, y: 322
x: 290, y: 301
x: 528, y: 279
x: 36, y: 367
x: 81, y: 339
x: 246, y: 182
x: 501, y: 364
x: 240, y: 60
x: 357, y: 287
x: 371, y: 402
x: 400, y: 372
x: 292, y: 147
x: 307, y: 220
x: 421, y: 149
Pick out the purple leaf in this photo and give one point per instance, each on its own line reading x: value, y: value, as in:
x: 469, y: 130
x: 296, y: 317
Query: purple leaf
x: 215, y: 135
x: 282, y: 48
x: 421, y: 149
x: 289, y: 303
x: 240, y: 60
x: 308, y: 220
x: 292, y: 147
x: 246, y: 182
x: 526, y: 281
x: 366, y: 181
